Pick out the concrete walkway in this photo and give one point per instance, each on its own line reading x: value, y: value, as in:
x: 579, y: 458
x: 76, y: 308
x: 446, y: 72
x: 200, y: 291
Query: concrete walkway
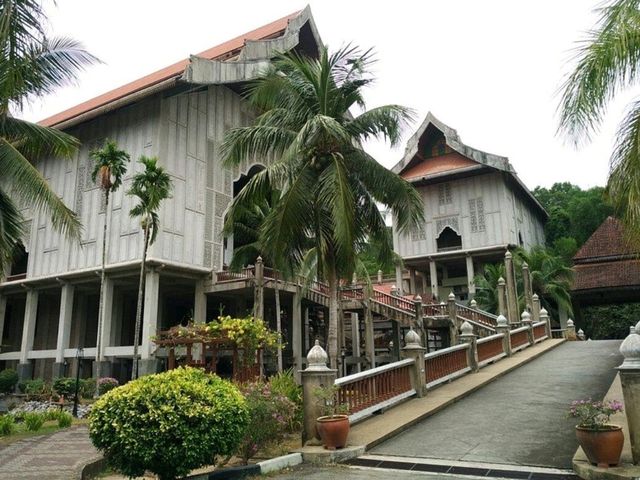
x: 519, y: 419
x: 58, y: 456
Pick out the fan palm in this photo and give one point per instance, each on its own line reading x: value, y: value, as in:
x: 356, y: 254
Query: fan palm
x: 329, y: 185
x: 110, y: 166
x: 31, y: 65
x: 608, y: 60
x: 151, y: 187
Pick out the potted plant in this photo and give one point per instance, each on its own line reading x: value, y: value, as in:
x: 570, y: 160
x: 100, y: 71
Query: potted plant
x: 600, y: 441
x: 333, y: 426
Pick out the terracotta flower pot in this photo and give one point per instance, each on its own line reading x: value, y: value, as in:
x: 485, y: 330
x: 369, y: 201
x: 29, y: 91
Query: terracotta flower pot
x: 333, y: 431
x: 602, y: 447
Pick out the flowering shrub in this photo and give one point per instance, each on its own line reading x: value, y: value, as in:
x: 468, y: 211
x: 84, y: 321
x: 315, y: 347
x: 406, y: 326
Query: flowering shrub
x: 169, y: 423
x: 594, y: 415
x: 270, y: 414
x: 105, y: 384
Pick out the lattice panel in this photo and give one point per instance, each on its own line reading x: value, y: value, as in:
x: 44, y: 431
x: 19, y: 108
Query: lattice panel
x: 452, y: 222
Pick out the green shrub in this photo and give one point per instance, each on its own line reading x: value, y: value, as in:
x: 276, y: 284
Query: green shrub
x: 284, y: 383
x: 65, y: 387
x: 270, y: 414
x: 33, y: 421
x: 35, y: 389
x: 7, y: 425
x: 64, y: 419
x: 106, y: 384
x: 87, y: 388
x: 169, y: 423
x: 52, y: 414
x: 8, y: 380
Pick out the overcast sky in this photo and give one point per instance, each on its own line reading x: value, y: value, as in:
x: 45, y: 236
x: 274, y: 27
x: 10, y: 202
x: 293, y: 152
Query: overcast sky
x: 490, y: 69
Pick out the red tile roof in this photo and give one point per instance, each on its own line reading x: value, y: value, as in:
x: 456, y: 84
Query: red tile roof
x: 617, y: 273
x: 439, y: 164
x: 607, y: 241
x: 226, y: 49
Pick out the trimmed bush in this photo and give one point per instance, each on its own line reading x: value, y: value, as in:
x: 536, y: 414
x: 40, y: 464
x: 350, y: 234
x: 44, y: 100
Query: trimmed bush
x: 270, y: 413
x: 87, y: 388
x: 8, y: 380
x: 106, y: 384
x: 7, y: 425
x: 35, y: 389
x: 33, y: 421
x: 169, y: 423
x: 64, y: 419
x: 65, y: 386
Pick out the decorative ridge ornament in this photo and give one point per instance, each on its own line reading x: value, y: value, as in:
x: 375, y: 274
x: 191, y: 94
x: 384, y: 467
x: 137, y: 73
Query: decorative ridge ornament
x: 317, y: 358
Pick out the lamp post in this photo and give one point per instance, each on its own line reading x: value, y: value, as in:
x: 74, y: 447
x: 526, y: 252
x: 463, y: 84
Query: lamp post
x: 75, y: 397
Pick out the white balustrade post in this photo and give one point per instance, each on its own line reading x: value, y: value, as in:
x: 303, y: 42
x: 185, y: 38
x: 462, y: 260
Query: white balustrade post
x: 544, y: 317
x: 526, y: 320
x: 630, y: 379
x: 580, y: 334
x: 503, y: 327
x: 413, y: 349
x: 467, y: 336
x: 536, y: 309
x: 570, y: 333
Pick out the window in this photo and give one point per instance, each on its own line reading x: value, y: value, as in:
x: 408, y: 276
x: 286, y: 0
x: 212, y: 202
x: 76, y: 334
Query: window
x: 476, y: 213
x: 444, y: 194
x: 448, y: 240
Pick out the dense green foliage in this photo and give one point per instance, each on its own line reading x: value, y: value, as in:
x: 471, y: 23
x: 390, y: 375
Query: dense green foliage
x: 609, y: 321
x: 284, y: 383
x: 35, y: 389
x: 169, y: 423
x: 8, y: 380
x: 33, y: 421
x: 106, y: 384
x: 329, y: 186
x: 33, y: 65
x: 64, y: 386
x: 574, y: 214
x: 64, y: 420
x: 7, y: 425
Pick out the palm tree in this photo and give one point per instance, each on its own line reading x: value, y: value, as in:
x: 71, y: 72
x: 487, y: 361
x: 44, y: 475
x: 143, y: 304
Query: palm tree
x: 329, y: 185
x: 32, y: 66
x: 108, y: 171
x: 151, y: 186
x: 608, y: 60
x: 487, y: 287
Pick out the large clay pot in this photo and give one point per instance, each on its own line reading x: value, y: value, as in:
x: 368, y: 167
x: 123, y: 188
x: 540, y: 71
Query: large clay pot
x: 602, y: 447
x: 333, y: 431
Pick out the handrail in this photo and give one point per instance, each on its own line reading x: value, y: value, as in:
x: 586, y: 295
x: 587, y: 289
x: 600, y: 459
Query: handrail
x: 478, y: 315
x: 435, y: 309
x: 518, y: 330
x: 489, y: 338
x: 477, y: 324
x: 399, y: 303
x: 444, y: 351
x: 372, y: 372
x: 539, y: 324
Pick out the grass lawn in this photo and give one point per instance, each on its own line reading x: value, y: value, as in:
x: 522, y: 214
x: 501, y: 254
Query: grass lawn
x: 48, y: 427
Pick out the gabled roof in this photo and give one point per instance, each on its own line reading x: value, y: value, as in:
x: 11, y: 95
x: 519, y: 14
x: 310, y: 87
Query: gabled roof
x: 281, y: 34
x: 606, y: 243
x: 415, y: 168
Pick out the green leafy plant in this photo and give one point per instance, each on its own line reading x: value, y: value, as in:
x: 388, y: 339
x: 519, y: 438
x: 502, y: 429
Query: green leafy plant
x: 284, y: 383
x: 106, y: 384
x: 8, y: 380
x: 52, y: 414
x: 33, y: 421
x: 64, y: 420
x: 87, y: 388
x: 594, y: 415
x: 64, y: 386
x: 7, y: 425
x: 328, y: 401
x: 169, y: 423
x: 271, y: 414
x: 35, y: 389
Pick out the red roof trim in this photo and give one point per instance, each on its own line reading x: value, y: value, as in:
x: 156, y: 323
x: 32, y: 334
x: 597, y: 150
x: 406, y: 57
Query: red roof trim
x: 166, y: 73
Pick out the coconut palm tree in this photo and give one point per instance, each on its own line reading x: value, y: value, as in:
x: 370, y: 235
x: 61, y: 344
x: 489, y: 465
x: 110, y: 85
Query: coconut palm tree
x: 607, y: 61
x: 151, y: 187
x: 110, y: 166
x: 487, y: 286
x: 330, y: 186
x: 32, y: 66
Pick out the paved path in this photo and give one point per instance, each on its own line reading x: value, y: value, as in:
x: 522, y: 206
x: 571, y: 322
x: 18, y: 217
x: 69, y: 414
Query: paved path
x: 58, y: 456
x: 520, y: 418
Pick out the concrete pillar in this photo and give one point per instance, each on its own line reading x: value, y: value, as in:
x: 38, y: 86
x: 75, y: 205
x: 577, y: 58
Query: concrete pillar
x: 512, y: 295
x: 412, y: 282
x: 64, y: 327
x: 355, y: 338
x: 419, y: 323
x: 433, y: 276
x: 306, y: 329
x: 396, y: 337
x: 528, y: 292
x: 467, y: 336
x: 503, y: 327
x: 150, y: 317
x: 526, y: 320
x: 535, y: 305
x: 414, y: 349
x: 451, y: 308
x: 369, y: 342
x: 570, y: 332
x: 258, y: 294
x: 399, y: 280
x: 3, y: 311
x: 470, y: 276
x: 315, y: 376
x: 107, y: 319
x: 563, y: 316
x: 544, y: 317
x: 630, y: 379
x: 199, y: 303
x: 502, y: 304
x: 379, y: 277
x: 296, y: 333
x: 25, y: 367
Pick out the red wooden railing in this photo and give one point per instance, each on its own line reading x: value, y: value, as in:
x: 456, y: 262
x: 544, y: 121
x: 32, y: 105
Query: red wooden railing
x: 352, y: 293
x: 443, y: 363
x: 490, y: 347
x: 435, y: 310
x: 376, y: 386
x: 519, y: 337
x: 400, y: 303
x: 539, y: 330
x: 477, y: 315
x: 228, y: 276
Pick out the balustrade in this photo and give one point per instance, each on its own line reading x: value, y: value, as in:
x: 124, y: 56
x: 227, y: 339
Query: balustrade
x: 446, y: 364
x: 490, y: 348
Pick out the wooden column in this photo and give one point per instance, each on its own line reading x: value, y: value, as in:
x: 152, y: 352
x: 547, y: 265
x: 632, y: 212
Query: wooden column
x: 369, y: 342
x: 107, y: 319
x: 512, y: 294
x: 528, y: 292
x: 355, y: 338
x: 150, y: 317
x: 502, y: 298
x: 258, y: 294
x: 3, y: 311
x: 470, y: 276
x: 433, y: 275
x: 399, y: 280
x: 29, y: 325
x: 412, y: 282
x: 64, y: 321
x: 296, y: 333
x: 199, y: 303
